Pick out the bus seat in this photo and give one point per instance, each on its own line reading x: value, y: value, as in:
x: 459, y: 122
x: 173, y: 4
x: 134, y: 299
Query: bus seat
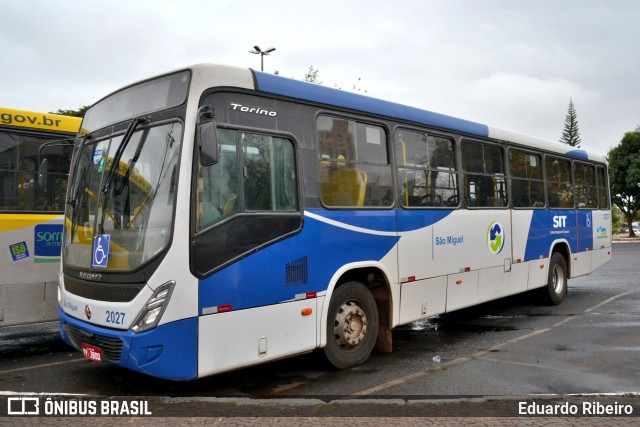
x: 344, y: 187
x: 230, y: 206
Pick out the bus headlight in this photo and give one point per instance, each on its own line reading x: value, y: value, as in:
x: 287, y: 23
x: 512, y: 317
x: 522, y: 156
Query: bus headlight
x: 153, y: 309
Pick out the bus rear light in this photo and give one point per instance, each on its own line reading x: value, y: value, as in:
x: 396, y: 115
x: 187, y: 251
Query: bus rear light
x: 152, y: 311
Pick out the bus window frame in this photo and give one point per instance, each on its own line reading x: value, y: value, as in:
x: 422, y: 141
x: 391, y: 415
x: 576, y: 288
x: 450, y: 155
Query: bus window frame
x: 201, y: 235
x: 541, y: 157
x: 195, y: 232
x: 495, y: 144
x: 457, y: 166
x: 362, y: 120
x: 575, y: 184
x: 546, y: 180
x: 607, y: 195
x: 43, y: 136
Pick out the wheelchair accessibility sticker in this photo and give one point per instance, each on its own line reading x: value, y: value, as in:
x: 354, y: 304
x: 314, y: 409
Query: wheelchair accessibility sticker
x: 101, y: 250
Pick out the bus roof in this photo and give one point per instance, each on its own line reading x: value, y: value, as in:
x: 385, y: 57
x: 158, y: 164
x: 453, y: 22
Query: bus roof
x: 230, y: 76
x: 283, y: 86
x: 36, y: 120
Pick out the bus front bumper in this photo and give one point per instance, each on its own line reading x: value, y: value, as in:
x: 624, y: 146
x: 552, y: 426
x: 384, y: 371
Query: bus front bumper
x: 168, y: 351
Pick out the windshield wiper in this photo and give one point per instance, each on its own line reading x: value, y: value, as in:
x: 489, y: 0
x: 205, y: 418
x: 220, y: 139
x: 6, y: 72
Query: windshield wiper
x: 133, y: 162
x: 120, y: 151
x: 114, y: 167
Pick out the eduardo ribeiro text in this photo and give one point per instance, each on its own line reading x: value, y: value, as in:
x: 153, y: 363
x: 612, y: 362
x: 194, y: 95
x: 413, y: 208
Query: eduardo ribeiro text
x: 567, y: 408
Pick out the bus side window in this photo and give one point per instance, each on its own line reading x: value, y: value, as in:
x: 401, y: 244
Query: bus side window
x: 603, y: 193
x: 484, y: 178
x: 19, y: 162
x: 354, y: 164
x: 559, y: 182
x: 426, y: 170
x: 269, y: 175
x: 585, y: 185
x: 527, y: 186
x: 254, y: 173
x: 218, y: 183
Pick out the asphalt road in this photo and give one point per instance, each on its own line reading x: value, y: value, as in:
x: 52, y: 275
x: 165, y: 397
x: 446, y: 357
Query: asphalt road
x: 511, y: 347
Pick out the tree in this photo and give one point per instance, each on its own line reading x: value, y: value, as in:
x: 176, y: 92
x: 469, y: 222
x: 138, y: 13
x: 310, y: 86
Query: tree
x: 571, y: 134
x: 312, y: 76
x: 74, y: 113
x: 624, y: 176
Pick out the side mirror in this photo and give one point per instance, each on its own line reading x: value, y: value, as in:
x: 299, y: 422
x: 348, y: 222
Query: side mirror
x: 207, y: 136
x: 208, y: 143
x: 43, y: 174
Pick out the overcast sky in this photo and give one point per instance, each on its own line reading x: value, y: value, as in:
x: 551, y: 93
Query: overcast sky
x: 511, y: 64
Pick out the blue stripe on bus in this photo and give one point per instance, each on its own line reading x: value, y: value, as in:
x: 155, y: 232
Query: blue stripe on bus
x: 410, y: 220
x: 325, y: 246
x: 548, y: 226
x: 542, y: 232
x: 385, y: 220
x: 168, y: 351
x: 276, y: 85
x: 261, y: 278
x: 382, y: 220
x: 585, y: 230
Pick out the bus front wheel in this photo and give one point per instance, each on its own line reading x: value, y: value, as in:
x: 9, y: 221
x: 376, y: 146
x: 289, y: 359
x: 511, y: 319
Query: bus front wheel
x: 556, y: 288
x: 352, y: 325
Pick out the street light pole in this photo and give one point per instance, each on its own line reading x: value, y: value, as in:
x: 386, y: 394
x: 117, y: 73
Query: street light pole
x: 262, y: 53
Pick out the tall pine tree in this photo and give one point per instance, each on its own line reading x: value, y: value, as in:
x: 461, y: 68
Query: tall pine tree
x: 571, y: 134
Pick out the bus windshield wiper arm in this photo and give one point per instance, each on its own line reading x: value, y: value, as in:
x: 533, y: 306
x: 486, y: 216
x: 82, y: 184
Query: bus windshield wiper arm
x: 114, y: 166
x: 134, y: 160
x: 123, y: 145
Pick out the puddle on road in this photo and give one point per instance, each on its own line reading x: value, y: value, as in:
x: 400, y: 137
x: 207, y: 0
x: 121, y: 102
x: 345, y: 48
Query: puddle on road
x: 438, y: 324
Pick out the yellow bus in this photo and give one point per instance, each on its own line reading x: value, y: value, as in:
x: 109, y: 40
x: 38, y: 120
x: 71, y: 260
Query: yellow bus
x: 35, y: 155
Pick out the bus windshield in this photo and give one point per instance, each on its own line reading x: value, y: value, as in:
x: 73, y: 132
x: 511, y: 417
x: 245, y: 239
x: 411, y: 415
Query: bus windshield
x: 134, y: 207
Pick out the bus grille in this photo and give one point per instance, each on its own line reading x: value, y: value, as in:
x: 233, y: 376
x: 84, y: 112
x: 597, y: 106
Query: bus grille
x: 112, y: 292
x: 111, y: 347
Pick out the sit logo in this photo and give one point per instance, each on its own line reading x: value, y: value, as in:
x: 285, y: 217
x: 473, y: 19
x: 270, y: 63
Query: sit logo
x: 559, y: 221
x: 495, y: 237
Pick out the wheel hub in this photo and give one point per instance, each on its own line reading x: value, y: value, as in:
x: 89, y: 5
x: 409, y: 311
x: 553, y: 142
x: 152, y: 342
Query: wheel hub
x: 351, y: 325
x: 558, y: 279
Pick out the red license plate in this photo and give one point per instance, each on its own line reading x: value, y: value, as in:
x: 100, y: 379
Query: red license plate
x: 92, y: 353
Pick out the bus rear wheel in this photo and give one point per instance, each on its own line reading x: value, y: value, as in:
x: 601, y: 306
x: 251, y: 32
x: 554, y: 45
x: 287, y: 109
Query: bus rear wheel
x: 557, y: 282
x: 352, y: 325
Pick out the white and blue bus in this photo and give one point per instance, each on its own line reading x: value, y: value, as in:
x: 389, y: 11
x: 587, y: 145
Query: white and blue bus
x: 220, y: 217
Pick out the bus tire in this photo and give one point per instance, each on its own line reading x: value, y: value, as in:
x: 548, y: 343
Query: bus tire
x: 556, y: 288
x: 352, y: 325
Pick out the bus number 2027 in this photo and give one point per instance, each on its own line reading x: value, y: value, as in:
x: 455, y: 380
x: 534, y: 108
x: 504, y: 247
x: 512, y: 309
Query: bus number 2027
x: 115, y: 317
